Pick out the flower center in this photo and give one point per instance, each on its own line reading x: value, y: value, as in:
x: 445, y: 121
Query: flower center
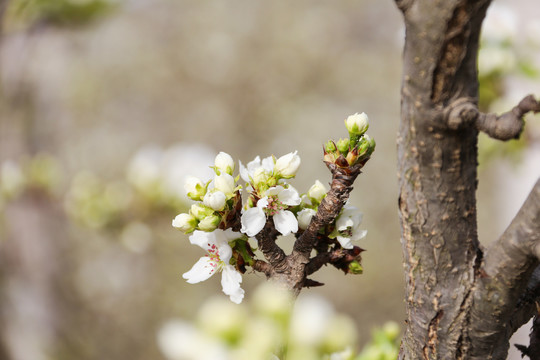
x: 347, y: 232
x: 213, y: 254
x: 274, y: 206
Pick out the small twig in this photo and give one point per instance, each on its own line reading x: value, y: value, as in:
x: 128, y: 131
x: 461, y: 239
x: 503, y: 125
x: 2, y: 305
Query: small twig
x: 340, y: 188
x: 267, y: 244
x: 504, y: 127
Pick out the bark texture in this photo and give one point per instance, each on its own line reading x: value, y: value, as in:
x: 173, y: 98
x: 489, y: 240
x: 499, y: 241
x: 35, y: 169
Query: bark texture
x: 461, y: 304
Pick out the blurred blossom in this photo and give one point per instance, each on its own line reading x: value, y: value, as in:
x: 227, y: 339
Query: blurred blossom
x: 179, y: 340
x: 222, y: 319
x: 496, y: 59
x: 136, y: 237
x: 163, y: 173
x: 532, y: 31
x: 273, y: 300
x: 310, y: 317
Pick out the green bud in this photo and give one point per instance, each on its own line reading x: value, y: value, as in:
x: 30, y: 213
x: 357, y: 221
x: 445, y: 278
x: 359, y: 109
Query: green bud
x: 330, y: 147
x: 200, y: 211
x: 343, y: 145
x: 210, y: 223
x: 355, y: 268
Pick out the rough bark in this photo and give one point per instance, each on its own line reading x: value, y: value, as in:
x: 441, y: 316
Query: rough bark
x: 460, y: 304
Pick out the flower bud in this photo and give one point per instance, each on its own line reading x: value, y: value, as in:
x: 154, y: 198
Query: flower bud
x: 304, y: 218
x: 185, y: 222
x: 287, y: 165
x: 215, y: 200
x: 224, y: 163
x: 355, y: 268
x: 357, y: 124
x: 330, y: 147
x: 317, y: 191
x: 200, y: 211
x: 195, y: 188
x: 224, y: 183
x: 343, y: 145
x: 210, y: 223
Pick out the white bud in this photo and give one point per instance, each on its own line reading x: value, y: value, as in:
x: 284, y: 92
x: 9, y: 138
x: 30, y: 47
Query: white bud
x: 185, y: 222
x: 210, y: 223
x: 304, y: 218
x: 194, y: 187
x: 224, y: 162
x: 215, y: 200
x: 288, y: 165
x: 224, y: 183
x: 317, y: 191
x: 200, y: 211
x: 357, y: 124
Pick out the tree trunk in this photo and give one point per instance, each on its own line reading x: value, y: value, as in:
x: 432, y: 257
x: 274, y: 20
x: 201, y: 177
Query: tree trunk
x: 437, y: 156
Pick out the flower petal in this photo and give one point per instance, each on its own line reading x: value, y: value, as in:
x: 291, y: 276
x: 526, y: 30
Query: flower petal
x: 203, y: 239
x: 285, y: 222
x: 230, y: 283
x: 345, y: 242
x: 244, y: 173
x: 268, y: 163
x: 202, y: 270
x: 358, y: 234
x: 289, y: 196
x: 253, y: 221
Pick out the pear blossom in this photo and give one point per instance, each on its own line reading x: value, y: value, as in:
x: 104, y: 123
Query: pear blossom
x: 225, y: 184
x: 210, y: 223
x: 317, y: 191
x: 195, y: 188
x: 273, y: 204
x: 216, y: 243
x: 200, y: 211
x: 347, y: 227
x: 215, y: 200
x: 256, y: 165
x: 304, y: 217
x: 287, y: 165
x: 357, y: 124
x: 185, y: 222
x: 224, y: 163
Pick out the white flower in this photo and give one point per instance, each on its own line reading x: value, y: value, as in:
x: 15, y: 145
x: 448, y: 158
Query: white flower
x: 224, y: 183
x: 224, y: 162
x: 347, y: 227
x: 317, y: 191
x: 185, y: 222
x: 216, y: 243
x: 304, y: 217
x: 357, y: 124
x: 209, y: 223
x: 287, y: 165
x: 267, y: 165
x: 274, y: 204
x: 215, y: 200
x: 194, y: 187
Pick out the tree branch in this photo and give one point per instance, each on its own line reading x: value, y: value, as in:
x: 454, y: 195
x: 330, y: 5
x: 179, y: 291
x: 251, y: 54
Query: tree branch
x: 340, y: 188
x: 508, y: 265
x: 266, y: 239
x: 502, y: 127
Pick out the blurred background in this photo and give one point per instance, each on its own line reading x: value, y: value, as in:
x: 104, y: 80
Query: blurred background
x: 107, y: 105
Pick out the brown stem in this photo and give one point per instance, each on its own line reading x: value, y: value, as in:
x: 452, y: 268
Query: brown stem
x: 504, y: 127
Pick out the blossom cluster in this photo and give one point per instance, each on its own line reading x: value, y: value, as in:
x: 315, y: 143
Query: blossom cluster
x: 222, y: 224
